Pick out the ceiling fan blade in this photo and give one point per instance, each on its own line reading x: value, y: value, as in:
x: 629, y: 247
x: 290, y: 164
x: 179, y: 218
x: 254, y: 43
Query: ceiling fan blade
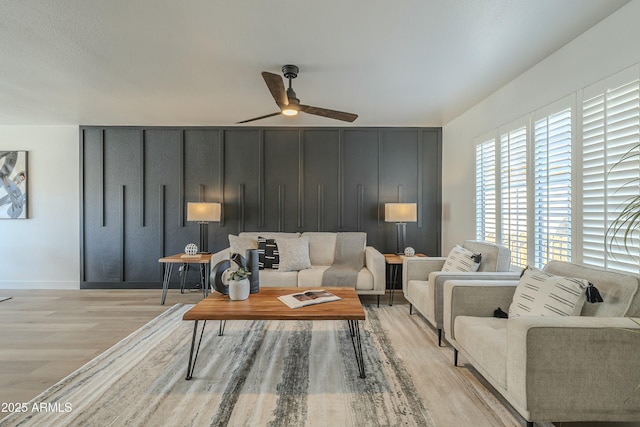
x: 332, y: 114
x: 276, y: 87
x: 258, y: 118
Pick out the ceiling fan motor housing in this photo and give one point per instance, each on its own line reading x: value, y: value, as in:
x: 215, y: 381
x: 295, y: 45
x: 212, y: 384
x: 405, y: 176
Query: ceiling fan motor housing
x: 290, y: 71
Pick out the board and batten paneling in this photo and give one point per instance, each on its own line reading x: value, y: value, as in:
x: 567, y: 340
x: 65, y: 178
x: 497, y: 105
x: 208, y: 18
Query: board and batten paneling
x: 136, y: 182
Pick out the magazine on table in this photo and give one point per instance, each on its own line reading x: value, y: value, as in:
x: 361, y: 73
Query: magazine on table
x: 302, y: 299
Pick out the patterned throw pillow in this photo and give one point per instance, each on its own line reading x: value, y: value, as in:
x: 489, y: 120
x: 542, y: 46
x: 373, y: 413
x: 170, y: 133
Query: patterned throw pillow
x: 543, y: 294
x: 268, y: 255
x: 294, y: 254
x: 462, y: 260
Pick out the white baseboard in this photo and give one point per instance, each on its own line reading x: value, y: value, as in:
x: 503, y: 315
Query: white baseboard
x: 12, y: 284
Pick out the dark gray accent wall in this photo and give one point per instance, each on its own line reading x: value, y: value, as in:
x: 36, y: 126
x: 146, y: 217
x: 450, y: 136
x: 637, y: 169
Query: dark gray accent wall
x: 136, y: 181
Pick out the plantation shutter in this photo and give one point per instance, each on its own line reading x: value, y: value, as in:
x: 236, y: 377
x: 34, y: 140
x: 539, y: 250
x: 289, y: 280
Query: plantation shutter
x: 552, y: 187
x: 611, y: 127
x: 486, y: 211
x: 513, y: 193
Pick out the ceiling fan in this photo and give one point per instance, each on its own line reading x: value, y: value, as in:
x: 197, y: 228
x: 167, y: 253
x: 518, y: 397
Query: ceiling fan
x: 289, y: 103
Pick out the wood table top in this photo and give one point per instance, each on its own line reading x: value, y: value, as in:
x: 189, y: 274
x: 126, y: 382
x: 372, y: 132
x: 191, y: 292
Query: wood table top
x: 265, y: 305
x: 181, y: 258
x: 397, y: 259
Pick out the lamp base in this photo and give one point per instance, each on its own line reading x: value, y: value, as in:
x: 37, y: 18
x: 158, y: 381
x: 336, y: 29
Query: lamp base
x: 402, y: 237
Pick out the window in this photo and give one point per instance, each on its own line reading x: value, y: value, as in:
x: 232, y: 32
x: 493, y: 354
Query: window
x: 486, y: 221
x: 513, y: 193
x: 549, y: 186
x: 611, y: 127
x: 552, y: 187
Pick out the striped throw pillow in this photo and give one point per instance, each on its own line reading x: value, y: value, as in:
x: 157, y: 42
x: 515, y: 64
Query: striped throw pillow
x: 462, y: 260
x: 543, y: 294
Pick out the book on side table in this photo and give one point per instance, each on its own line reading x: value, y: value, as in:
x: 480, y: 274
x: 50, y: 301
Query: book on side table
x: 302, y: 299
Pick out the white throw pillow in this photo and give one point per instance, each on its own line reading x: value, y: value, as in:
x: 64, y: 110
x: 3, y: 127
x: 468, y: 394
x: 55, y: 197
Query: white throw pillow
x: 543, y: 294
x: 294, y: 254
x: 240, y: 244
x: 461, y: 259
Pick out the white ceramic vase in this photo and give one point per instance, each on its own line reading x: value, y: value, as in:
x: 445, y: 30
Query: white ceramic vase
x: 239, y: 289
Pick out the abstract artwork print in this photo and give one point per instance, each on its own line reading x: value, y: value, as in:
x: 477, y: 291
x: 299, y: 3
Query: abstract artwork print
x: 13, y: 184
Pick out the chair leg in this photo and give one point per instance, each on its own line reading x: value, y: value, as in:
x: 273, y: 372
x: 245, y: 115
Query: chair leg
x: 455, y: 358
x: 410, y: 308
x: 378, y: 301
x: 439, y: 337
x: 529, y: 423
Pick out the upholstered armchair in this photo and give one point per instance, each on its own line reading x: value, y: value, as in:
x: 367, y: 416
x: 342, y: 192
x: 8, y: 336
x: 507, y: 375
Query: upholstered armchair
x: 582, y: 367
x: 423, y: 278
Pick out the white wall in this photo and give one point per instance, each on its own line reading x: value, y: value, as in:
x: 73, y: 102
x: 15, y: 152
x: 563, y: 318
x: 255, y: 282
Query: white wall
x: 605, y: 49
x: 43, y: 251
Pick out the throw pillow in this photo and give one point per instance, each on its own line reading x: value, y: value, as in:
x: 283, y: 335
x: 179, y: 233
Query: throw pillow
x: 268, y: 254
x: 543, y: 294
x: 240, y: 244
x: 463, y: 260
x: 294, y: 254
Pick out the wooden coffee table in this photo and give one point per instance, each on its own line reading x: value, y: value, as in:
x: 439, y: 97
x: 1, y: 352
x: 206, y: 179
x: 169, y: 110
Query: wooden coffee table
x: 265, y: 305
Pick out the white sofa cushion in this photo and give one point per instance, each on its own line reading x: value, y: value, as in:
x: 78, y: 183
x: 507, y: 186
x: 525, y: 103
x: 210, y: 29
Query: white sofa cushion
x: 294, y: 253
x: 460, y: 259
x: 278, y: 278
x: 485, y: 340
x: 543, y: 294
x: 322, y: 247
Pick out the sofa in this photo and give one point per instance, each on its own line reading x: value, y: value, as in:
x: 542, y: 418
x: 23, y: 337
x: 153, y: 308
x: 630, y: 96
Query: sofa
x: 553, y: 368
x: 423, y: 280
x: 322, y: 249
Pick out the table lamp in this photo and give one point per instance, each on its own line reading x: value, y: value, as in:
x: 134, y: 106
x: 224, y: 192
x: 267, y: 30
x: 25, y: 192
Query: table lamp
x: 401, y: 213
x: 204, y: 212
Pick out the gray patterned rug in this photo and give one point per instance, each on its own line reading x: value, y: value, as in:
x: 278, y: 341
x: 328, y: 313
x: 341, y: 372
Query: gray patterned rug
x: 278, y: 373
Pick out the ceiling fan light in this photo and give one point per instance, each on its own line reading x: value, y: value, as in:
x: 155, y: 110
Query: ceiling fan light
x: 289, y: 112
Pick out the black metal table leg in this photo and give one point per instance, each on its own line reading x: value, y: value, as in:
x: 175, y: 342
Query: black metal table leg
x: 394, y: 281
x: 354, y: 331
x: 191, y: 366
x: 168, y: 267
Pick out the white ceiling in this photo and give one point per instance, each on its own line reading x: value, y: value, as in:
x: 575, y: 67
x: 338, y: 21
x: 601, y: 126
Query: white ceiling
x: 198, y: 62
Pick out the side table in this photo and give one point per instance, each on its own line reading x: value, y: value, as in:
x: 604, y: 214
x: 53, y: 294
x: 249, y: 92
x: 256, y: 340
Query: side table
x: 394, y: 267
x: 204, y: 260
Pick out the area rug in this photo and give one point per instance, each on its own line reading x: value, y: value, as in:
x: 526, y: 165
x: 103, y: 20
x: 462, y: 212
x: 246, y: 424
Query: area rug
x: 277, y: 373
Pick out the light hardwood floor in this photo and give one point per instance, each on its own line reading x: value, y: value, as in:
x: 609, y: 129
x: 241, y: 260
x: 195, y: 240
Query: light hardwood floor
x: 47, y: 334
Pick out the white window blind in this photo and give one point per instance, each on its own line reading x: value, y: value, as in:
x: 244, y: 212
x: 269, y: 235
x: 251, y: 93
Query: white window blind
x: 486, y: 211
x: 513, y: 193
x: 552, y: 187
x: 611, y: 127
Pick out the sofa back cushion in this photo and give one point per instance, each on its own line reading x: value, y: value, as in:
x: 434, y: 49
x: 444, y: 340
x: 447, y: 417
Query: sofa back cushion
x: 322, y: 247
x: 619, y: 291
x: 494, y: 257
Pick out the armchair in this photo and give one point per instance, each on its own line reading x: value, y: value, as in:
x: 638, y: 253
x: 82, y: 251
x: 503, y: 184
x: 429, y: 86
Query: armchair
x: 422, y: 278
x: 556, y: 369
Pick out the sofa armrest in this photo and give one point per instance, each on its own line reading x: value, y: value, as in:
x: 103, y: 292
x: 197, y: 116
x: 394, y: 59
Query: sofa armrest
x: 220, y: 256
x: 438, y: 278
x: 419, y: 268
x: 477, y: 298
x: 574, y: 368
x: 374, y: 261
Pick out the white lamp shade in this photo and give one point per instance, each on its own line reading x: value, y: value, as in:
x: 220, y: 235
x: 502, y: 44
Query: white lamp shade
x: 400, y: 212
x: 203, y: 211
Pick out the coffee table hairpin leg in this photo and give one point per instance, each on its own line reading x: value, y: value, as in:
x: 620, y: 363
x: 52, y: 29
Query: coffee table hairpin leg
x: 192, y: 358
x: 354, y: 331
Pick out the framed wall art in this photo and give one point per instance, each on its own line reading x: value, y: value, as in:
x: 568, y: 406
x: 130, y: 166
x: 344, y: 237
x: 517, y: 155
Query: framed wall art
x: 13, y: 184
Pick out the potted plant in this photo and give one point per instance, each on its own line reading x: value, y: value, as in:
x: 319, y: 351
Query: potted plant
x: 239, y: 285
